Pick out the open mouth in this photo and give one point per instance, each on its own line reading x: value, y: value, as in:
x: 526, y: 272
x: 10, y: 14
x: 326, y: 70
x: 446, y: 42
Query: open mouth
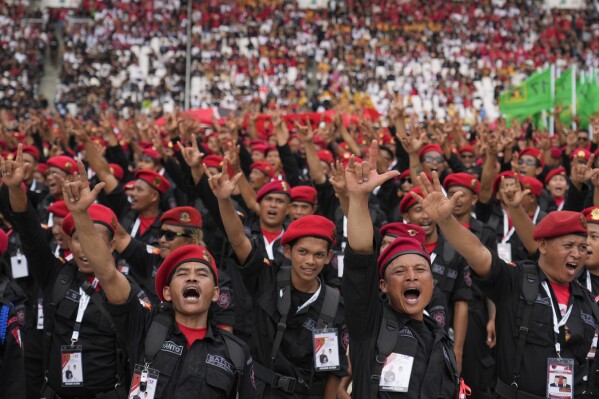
x: 571, y: 266
x: 412, y: 295
x: 191, y: 292
x: 271, y: 213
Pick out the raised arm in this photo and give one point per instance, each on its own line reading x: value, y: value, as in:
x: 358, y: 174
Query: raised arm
x: 512, y: 196
x: 223, y: 187
x: 361, y: 179
x: 439, y: 208
x: 314, y: 167
x: 13, y: 173
x: 78, y: 198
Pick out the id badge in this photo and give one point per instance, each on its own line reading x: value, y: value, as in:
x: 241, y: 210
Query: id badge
x: 340, y: 259
x: 396, y: 373
x: 40, y: 314
x: 18, y: 265
x: 326, y: 349
x: 593, y: 350
x: 560, y: 378
x: 504, y: 251
x: 143, y: 384
x: 72, y: 365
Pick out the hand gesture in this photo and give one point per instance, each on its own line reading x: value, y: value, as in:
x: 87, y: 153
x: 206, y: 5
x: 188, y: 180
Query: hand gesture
x: 220, y: 183
x: 581, y: 173
x: 232, y: 156
x: 191, y: 155
x: 337, y: 178
x: 77, y: 194
x: 305, y: 132
x: 512, y: 195
x: 436, y: 205
x: 414, y: 142
x: 362, y: 177
x: 13, y: 171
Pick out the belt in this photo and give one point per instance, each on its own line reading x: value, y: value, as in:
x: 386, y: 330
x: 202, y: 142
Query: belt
x: 281, y: 382
x: 509, y: 392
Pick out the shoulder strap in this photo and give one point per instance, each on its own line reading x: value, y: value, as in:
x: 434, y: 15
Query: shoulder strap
x: 161, y: 324
x: 283, y: 306
x: 59, y: 291
x: 530, y: 290
x: 385, y: 343
x: 329, y: 307
x: 448, y: 253
x: 3, y: 285
x: 235, y: 353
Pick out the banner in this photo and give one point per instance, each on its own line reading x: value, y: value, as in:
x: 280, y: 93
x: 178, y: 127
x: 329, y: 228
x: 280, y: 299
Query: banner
x: 529, y: 98
x: 566, y: 4
x: 587, y: 96
x: 312, y: 4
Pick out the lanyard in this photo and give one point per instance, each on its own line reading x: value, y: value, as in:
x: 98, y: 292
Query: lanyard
x: 507, y: 234
x: 269, y: 245
x: 556, y: 324
x: 135, y: 227
x: 433, y: 256
x: 83, y: 302
x: 589, y: 285
x: 309, y: 301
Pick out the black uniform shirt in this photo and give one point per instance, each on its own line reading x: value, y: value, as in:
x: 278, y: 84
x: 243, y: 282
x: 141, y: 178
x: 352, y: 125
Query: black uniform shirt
x: 504, y: 287
x: 296, y: 353
x: 98, y: 340
x: 12, y: 366
x: 434, y: 371
x: 205, y: 370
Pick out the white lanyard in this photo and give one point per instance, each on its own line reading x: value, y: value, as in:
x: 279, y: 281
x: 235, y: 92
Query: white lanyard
x: 83, y: 302
x: 507, y: 234
x: 135, y: 227
x: 50, y: 219
x: 433, y: 256
x: 589, y: 286
x: 556, y: 324
x: 269, y: 245
x: 309, y: 301
x: 561, y: 206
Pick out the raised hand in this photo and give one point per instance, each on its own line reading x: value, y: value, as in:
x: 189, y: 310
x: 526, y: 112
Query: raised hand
x: 77, y: 193
x: 337, y: 178
x: 434, y: 202
x: 362, y: 177
x: 512, y: 195
x: 192, y: 155
x: 220, y: 183
x: 232, y: 156
x: 581, y: 173
x: 306, y: 132
x: 13, y: 171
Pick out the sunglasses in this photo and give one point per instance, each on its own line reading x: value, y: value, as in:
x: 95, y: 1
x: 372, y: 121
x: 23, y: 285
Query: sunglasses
x: 429, y: 159
x: 467, y: 156
x: 171, y: 235
x: 146, y: 158
x: 529, y: 162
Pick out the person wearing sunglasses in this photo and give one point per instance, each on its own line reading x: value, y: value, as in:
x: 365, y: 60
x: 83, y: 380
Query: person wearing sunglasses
x: 531, y: 162
x: 178, y: 227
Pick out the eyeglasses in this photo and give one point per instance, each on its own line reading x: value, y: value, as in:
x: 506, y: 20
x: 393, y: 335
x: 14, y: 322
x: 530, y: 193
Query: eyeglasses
x: 171, y: 235
x: 146, y: 158
x: 582, y: 138
x: 467, y: 156
x: 429, y: 159
x: 529, y: 162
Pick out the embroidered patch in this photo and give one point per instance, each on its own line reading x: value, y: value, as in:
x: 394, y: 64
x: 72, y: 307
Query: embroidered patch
x: 224, y: 300
x: 541, y: 300
x: 438, y: 269
x: 72, y: 295
x: 467, y: 277
x: 452, y: 274
x: 437, y: 313
x: 405, y: 332
x: 309, y: 324
x: 588, y: 319
x: 220, y: 362
x: 170, y: 346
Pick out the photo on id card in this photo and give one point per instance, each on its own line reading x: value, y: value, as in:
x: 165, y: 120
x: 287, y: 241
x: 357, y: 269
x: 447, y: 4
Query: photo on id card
x: 72, y: 366
x: 326, y: 349
x: 149, y: 390
x: 560, y: 378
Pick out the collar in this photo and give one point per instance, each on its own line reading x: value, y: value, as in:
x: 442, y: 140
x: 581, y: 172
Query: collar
x: 575, y: 288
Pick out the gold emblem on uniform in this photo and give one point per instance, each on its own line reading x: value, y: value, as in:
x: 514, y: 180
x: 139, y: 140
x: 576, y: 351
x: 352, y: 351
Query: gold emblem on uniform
x: 184, y: 217
x: 584, y: 221
x: 284, y: 186
x: 473, y: 183
x: 157, y: 181
x: 595, y: 214
x: 412, y: 232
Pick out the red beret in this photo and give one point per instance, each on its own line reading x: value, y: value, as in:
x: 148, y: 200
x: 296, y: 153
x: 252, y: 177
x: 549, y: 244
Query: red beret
x: 129, y: 185
x: 42, y: 168
x: 303, y: 194
x: 534, y: 152
x: 561, y: 171
x: 325, y: 156
x: 154, y: 179
x: 508, y: 174
x: 263, y: 167
x: 277, y: 186
x: 561, y: 223
x: 116, y: 170
x: 32, y: 150
x: 401, y: 246
x: 581, y: 153
x: 181, y: 255
x: 429, y: 147
x: 405, y: 175
x: 591, y: 214
x: 260, y: 148
x: 64, y: 163
x: 407, y: 201
x: 310, y: 226
x: 345, y: 159
x: 556, y: 152
x: 532, y: 184
x: 463, y: 180
x: 399, y: 229
x: 271, y: 148
x: 185, y: 216
x: 59, y: 209
x: 152, y: 153
x: 213, y: 161
x: 466, y: 148
x: 98, y: 213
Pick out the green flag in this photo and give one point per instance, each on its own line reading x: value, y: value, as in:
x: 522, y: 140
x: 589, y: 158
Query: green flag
x: 563, y: 89
x: 587, y: 100
x: 529, y: 98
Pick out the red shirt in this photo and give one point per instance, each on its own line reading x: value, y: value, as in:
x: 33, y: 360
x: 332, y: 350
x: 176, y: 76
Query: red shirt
x: 562, y: 293
x: 192, y: 334
x: 430, y: 247
x: 144, y: 223
x: 270, y: 237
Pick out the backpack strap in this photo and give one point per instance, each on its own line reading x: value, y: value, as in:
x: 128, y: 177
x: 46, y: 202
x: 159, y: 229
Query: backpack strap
x: 59, y: 291
x: 328, y: 311
x: 283, y: 306
x: 530, y: 290
x: 161, y: 324
x: 3, y: 285
x: 385, y: 343
x: 236, y: 355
